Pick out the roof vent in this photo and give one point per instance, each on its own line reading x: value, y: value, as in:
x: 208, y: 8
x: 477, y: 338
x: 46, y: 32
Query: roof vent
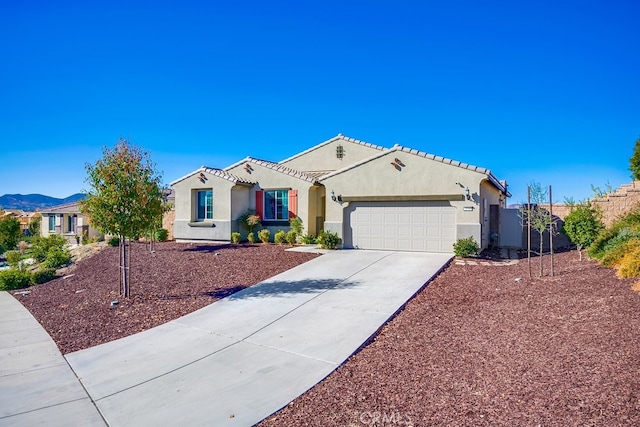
x: 340, y: 152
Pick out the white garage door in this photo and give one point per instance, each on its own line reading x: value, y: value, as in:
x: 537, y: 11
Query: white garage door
x: 402, y: 226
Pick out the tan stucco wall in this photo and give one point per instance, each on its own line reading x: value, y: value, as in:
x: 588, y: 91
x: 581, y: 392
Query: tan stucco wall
x: 222, y: 224
x: 270, y: 179
x: 62, y: 226
x: 323, y: 157
x: 418, y: 177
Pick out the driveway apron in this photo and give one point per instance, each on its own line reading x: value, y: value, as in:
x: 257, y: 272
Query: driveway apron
x: 242, y: 358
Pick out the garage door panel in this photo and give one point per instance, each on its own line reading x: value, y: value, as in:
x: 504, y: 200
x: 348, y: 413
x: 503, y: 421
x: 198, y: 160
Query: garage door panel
x: 409, y: 226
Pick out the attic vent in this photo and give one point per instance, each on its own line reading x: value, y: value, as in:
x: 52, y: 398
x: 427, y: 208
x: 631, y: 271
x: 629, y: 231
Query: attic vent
x: 340, y: 152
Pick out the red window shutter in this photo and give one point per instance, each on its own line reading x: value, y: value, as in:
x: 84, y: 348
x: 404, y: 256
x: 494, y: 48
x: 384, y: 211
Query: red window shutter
x: 293, y: 203
x: 260, y: 204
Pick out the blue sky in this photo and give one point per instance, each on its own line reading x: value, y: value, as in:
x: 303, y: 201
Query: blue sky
x: 544, y: 91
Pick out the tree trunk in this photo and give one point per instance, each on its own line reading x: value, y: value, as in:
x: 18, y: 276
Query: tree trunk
x: 541, y: 248
x: 125, y: 258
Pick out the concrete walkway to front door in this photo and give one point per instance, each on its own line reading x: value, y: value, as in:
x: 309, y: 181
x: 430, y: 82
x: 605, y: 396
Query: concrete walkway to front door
x: 242, y: 358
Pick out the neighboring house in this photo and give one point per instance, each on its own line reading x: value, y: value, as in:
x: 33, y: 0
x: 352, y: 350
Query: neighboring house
x: 67, y: 221
x: 25, y: 218
x: 373, y: 197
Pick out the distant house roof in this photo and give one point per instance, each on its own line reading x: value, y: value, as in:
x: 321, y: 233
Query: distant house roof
x: 73, y: 207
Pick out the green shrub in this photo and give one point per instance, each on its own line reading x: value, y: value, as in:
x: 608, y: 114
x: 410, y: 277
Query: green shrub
x: 280, y: 237
x: 249, y: 220
x: 14, y: 279
x: 292, y: 237
x: 264, y: 235
x: 622, y: 229
x: 328, y: 240
x: 114, y: 241
x: 57, y: 257
x: 13, y: 258
x: 40, y: 247
x: 251, y: 237
x: 162, y: 235
x: 466, y: 247
x: 583, y: 224
x: 296, y: 225
x: 10, y: 232
x: 235, y: 237
x: 42, y: 276
x: 308, y: 239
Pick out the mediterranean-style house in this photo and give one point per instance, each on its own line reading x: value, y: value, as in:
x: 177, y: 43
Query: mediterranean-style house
x: 67, y: 221
x: 372, y: 197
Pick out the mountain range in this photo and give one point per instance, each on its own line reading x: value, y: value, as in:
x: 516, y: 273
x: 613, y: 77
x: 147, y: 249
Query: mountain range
x: 32, y: 202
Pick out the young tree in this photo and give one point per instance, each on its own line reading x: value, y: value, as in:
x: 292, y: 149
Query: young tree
x: 537, y: 217
x: 634, y: 161
x: 125, y: 198
x: 10, y: 233
x: 34, y: 226
x: 583, y: 224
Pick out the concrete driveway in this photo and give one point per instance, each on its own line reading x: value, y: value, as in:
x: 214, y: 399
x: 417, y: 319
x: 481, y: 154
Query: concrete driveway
x: 233, y: 362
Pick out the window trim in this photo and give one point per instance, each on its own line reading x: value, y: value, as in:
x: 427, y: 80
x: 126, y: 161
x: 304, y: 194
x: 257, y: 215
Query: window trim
x: 208, y: 207
x: 285, y: 205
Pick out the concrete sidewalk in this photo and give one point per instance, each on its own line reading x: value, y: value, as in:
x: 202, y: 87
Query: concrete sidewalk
x: 242, y: 358
x: 37, y: 386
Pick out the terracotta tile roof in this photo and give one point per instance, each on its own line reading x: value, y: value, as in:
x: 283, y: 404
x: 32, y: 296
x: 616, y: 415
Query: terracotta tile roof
x: 335, y: 138
x: 220, y: 173
x: 276, y: 167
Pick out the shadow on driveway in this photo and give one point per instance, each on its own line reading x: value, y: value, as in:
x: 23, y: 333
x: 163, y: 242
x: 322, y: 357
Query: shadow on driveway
x: 290, y: 288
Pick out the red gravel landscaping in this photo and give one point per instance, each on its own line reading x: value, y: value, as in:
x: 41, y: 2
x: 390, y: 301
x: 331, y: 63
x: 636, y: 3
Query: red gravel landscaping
x: 177, y: 279
x: 478, y: 347
x: 481, y: 345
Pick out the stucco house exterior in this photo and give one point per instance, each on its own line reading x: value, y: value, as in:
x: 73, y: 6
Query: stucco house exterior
x: 373, y: 197
x: 67, y: 221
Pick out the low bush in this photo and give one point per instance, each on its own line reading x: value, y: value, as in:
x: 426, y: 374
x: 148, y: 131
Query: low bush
x: 614, y: 254
x: 42, y: 276
x: 292, y: 237
x: 14, y: 279
x: 264, y: 235
x: 623, y: 228
x: 57, y: 257
x: 309, y: 239
x: 114, y: 241
x: 296, y: 225
x: 23, y: 246
x: 280, y: 237
x: 629, y: 264
x: 162, y: 235
x: 13, y: 258
x: 251, y: 237
x: 235, y: 237
x: 466, y: 247
x: 328, y: 240
x: 40, y: 247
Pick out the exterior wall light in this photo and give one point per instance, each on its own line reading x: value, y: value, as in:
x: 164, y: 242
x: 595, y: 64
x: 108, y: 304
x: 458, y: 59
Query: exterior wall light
x: 335, y: 198
x: 467, y: 194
